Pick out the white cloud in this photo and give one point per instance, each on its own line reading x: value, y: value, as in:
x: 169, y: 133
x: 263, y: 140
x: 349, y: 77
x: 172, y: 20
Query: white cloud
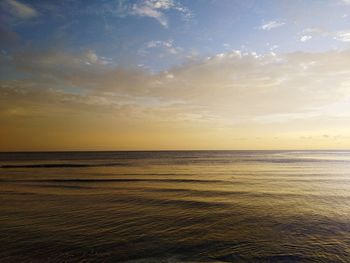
x: 155, y: 9
x: 91, y: 58
x: 347, y: 2
x: 317, y: 33
x: 20, y: 10
x: 167, y: 45
x: 144, y: 10
x: 271, y: 25
x: 343, y: 36
x: 162, y: 4
x: 305, y: 38
x: 170, y: 76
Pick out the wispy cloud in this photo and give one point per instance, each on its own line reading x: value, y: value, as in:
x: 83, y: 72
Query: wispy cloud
x: 167, y: 45
x: 93, y: 58
x: 343, y: 36
x: 271, y: 25
x: 347, y: 2
x: 19, y: 9
x: 156, y: 8
x: 318, y: 33
x: 277, y: 83
x: 233, y: 90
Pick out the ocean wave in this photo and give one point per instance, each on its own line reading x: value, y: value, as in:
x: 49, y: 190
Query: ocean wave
x: 77, y: 180
x: 61, y: 165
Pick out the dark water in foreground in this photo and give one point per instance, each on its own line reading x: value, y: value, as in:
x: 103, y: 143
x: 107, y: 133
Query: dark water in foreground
x: 224, y: 206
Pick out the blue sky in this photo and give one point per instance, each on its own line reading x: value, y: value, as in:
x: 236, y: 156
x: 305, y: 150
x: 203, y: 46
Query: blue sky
x: 158, y: 34
x: 171, y: 74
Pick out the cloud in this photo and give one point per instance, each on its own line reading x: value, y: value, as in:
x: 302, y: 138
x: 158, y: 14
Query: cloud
x: 148, y: 11
x: 228, y: 84
x: 343, y: 36
x: 305, y: 38
x: 93, y: 58
x: 155, y: 9
x: 19, y: 9
x: 239, y: 92
x: 317, y: 33
x: 347, y: 2
x: 167, y: 45
x: 271, y: 25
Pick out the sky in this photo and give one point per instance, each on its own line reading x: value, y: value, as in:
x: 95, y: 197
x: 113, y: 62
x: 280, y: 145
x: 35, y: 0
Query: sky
x: 174, y: 75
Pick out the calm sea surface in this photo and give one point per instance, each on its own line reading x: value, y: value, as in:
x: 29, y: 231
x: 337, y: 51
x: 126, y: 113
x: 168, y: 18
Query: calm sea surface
x: 196, y: 206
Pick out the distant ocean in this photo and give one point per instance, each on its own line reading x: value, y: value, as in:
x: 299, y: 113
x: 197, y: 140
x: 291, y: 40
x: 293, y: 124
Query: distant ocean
x: 178, y: 206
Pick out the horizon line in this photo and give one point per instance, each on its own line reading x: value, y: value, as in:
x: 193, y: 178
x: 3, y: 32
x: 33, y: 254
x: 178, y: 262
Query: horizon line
x: 173, y: 150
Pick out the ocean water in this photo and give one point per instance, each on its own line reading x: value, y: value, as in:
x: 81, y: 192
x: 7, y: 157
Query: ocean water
x: 194, y: 206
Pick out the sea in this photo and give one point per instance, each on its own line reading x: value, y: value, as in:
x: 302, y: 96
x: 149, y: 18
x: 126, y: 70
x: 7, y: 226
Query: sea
x: 175, y: 206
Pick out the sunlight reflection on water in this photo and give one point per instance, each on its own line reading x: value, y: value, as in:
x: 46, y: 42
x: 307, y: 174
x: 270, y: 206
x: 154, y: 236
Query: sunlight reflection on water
x: 207, y: 206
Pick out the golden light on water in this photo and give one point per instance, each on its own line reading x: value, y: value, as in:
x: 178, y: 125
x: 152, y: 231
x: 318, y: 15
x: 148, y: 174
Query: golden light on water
x: 174, y: 131
x: 207, y: 206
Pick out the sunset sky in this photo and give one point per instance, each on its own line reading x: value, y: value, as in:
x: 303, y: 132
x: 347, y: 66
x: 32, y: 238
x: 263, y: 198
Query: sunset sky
x: 167, y: 74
